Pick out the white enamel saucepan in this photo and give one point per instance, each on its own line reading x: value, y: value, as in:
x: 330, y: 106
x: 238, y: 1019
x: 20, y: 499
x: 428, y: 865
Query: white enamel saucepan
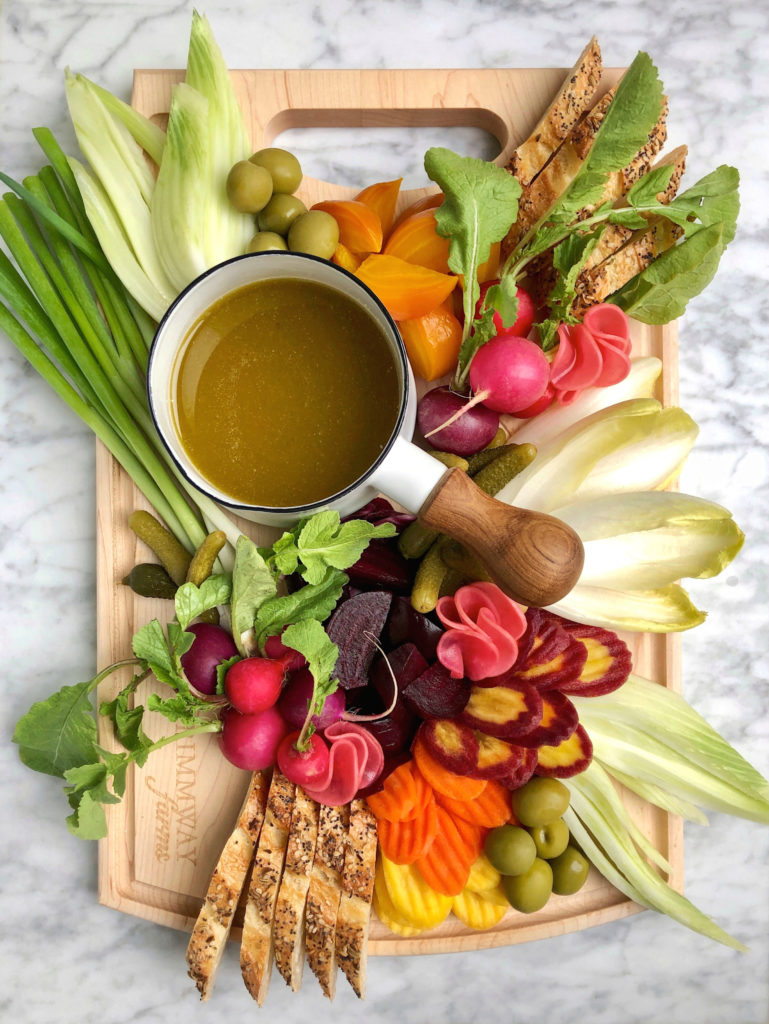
x: 535, y: 558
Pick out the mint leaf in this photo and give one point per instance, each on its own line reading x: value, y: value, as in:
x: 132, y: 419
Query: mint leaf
x: 59, y: 733
x: 312, y: 601
x: 324, y: 541
x: 191, y: 602
x: 221, y: 672
x: 480, y: 204
x: 660, y: 293
x: 252, y: 584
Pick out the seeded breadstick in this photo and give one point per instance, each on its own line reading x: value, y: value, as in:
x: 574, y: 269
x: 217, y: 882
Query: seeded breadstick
x: 357, y: 891
x: 289, y: 934
x: 325, y: 894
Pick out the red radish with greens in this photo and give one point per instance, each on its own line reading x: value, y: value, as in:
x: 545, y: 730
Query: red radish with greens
x: 275, y: 648
x: 452, y: 424
x: 254, y: 684
x: 211, y: 646
x: 251, y: 741
x: 525, y: 316
x: 509, y: 373
x: 294, y: 702
x: 308, y: 767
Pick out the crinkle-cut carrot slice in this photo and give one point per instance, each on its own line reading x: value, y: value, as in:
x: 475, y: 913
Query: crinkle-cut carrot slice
x: 414, y: 900
x: 490, y: 809
x: 446, y: 865
x: 397, y: 801
x: 403, y: 842
x: 425, y: 794
x: 458, y: 787
x: 483, y: 875
x: 477, y: 912
x: 472, y: 836
x: 385, y: 909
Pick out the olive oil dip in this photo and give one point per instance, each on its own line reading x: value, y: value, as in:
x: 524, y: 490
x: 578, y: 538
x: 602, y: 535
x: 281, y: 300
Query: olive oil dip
x: 287, y: 391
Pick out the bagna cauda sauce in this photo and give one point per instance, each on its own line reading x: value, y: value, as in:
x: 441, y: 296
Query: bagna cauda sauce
x: 287, y: 392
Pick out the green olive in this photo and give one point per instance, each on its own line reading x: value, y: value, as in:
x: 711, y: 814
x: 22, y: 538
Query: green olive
x: 284, y: 168
x: 315, y: 232
x: 569, y: 871
x: 510, y: 849
x: 540, y: 801
x: 263, y: 241
x: 248, y: 187
x: 551, y: 839
x: 531, y: 891
x: 280, y: 213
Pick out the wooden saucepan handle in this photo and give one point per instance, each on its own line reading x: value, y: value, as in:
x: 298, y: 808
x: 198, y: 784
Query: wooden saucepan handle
x: 533, y: 557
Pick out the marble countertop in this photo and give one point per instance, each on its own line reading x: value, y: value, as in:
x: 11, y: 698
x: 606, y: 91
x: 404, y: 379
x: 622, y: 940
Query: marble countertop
x: 65, y: 958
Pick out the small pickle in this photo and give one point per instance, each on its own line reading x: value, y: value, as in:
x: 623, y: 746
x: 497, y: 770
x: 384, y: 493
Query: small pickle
x: 202, y: 564
x: 150, y: 580
x: 450, y: 460
x: 498, y: 439
x: 458, y: 557
x: 416, y: 540
x: 174, y: 558
x: 486, y: 456
x: 428, y: 581
x: 501, y: 471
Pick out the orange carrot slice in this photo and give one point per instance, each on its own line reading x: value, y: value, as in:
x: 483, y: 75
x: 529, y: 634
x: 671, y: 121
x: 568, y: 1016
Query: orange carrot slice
x: 490, y: 809
x: 397, y: 801
x: 403, y: 842
x: 446, y: 864
x: 458, y: 787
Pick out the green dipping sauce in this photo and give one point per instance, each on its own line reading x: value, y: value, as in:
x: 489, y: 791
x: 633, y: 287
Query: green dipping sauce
x: 287, y: 392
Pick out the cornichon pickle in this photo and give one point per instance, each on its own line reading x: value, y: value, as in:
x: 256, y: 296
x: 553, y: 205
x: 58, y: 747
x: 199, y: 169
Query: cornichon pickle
x: 416, y: 540
x: 150, y: 580
x: 485, y: 456
x: 498, y: 439
x: 458, y: 557
x: 450, y: 460
x: 174, y: 558
x: 428, y: 580
x: 501, y: 471
x: 202, y: 564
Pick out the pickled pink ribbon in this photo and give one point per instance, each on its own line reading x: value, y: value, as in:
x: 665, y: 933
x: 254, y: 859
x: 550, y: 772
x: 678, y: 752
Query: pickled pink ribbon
x: 355, y: 761
x: 483, y: 626
x: 595, y: 353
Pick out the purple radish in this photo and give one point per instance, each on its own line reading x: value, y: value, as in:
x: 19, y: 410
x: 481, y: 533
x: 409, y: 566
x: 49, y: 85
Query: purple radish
x: 449, y: 422
x: 293, y: 702
x: 211, y: 645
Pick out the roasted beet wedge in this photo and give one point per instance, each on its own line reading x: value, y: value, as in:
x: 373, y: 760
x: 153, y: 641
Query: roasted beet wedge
x: 383, y: 567
x: 559, y: 720
x: 405, y: 623
x: 347, y: 628
x: 570, y: 757
x: 608, y: 662
x: 436, y: 694
x: 397, y: 729
x: 451, y: 744
x: 507, y: 710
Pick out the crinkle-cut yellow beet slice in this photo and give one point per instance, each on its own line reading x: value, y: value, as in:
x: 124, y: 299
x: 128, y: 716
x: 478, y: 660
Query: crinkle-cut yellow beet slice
x: 386, y: 912
x: 495, y: 896
x: 483, y: 875
x: 477, y: 912
x: 412, y: 897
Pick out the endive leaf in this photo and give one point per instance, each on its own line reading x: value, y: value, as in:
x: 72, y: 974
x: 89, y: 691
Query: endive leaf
x: 647, y: 540
x: 639, y: 383
x: 666, y: 610
x: 656, y: 795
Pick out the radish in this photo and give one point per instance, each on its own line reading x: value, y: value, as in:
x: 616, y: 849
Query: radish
x: 251, y: 741
x: 509, y: 373
x: 524, y: 319
x: 304, y: 767
x: 275, y: 648
x: 211, y: 645
x: 254, y: 684
x: 543, y: 402
x: 450, y: 424
x: 294, y: 701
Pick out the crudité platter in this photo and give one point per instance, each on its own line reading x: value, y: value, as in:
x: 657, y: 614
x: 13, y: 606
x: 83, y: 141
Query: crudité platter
x: 165, y: 836
x: 517, y: 761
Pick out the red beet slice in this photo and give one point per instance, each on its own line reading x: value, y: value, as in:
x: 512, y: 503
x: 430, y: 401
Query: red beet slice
x: 436, y: 694
x: 347, y: 628
x: 397, y: 729
x: 407, y: 624
x: 378, y: 511
x: 559, y: 720
x: 383, y: 567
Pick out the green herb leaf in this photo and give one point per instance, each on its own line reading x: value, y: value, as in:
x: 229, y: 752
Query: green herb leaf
x: 569, y: 258
x: 179, y: 708
x: 660, y: 293
x: 127, y: 721
x: 58, y: 733
x: 151, y: 646
x: 252, y: 585
x: 323, y: 541
x: 312, y: 601
x: 311, y: 640
x: 191, y: 602
x: 628, y: 218
x: 88, y: 820
x: 649, y: 185
x: 221, y: 672
x: 480, y: 204
x: 503, y: 297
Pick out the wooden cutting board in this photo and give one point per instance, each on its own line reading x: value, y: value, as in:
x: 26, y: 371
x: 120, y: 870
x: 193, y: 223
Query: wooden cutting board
x: 165, y: 836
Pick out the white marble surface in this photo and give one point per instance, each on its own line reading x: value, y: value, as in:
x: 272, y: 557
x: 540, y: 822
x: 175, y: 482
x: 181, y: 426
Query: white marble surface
x: 63, y: 957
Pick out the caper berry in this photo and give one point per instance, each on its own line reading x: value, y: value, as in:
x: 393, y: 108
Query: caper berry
x: 570, y: 870
x: 530, y: 891
x: 510, y: 849
x: 540, y: 801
